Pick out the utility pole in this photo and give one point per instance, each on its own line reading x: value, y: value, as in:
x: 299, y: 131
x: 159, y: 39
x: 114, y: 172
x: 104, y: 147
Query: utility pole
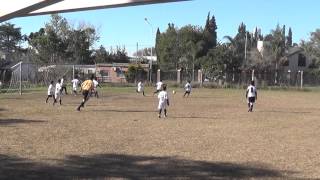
x: 150, y: 71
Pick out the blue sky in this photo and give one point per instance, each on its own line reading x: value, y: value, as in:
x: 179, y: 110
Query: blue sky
x: 126, y: 26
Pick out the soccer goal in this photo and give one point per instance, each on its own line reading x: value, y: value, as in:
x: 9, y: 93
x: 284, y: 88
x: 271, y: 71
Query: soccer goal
x: 11, y: 80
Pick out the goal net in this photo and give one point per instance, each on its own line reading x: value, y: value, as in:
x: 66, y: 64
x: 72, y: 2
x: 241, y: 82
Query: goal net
x: 23, y: 76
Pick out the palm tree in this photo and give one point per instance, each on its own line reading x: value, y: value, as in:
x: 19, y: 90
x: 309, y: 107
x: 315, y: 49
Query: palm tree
x: 194, y: 50
x: 277, y: 47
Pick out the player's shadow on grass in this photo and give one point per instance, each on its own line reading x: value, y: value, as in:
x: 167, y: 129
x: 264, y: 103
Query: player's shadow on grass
x: 107, y: 166
x: 191, y: 117
x: 285, y: 112
x: 123, y: 110
x: 6, y: 122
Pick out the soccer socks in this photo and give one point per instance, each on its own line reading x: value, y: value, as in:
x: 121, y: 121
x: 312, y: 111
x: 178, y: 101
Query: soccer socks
x: 165, y: 113
x: 250, y: 105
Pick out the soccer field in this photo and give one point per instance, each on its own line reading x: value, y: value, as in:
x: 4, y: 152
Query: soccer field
x: 209, y: 135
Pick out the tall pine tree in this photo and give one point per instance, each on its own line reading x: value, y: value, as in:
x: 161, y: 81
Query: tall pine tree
x: 284, y: 35
x: 210, y: 32
x: 289, y: 39
x: 157, y: 43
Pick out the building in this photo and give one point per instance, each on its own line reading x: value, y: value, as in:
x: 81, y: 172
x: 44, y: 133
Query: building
x: 115, y: 72
x: 296, y: 60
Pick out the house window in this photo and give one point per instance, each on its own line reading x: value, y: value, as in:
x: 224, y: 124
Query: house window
x: 302, y: 60
x: 104, y: 73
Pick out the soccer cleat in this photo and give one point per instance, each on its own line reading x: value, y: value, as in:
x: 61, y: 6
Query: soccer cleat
x: 159, y: 116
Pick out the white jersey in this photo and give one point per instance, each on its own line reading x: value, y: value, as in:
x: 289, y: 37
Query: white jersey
x: 140, y: 86
x: 58, y: 88
x: 95, y: 84
x: 50, y: 90
x: 251, y: 90
x: 187, y: 87
x: 159, y: 85
x: 75, y: 83
x: 57, y: 93
x: 61, y: 82
x: 163, y: 97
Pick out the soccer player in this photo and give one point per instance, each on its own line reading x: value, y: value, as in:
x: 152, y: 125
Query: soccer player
x: 50, y: 92
x: 187, y: 89
x: 95, y: 85
x: 75, y: 83
x: 63, y: 85
x: 163, y: 101
x: 159, y: 87
x: 140, y: 88
x: 251, y: 96
x: 58, y: 92
x: 86, y: 88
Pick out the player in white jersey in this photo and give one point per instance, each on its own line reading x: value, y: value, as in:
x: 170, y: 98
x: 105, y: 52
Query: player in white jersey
x: 163, y: 101
x: 140, y: 88
x: 95, y: 85
x: 58, y: 93
x: 50, y: 92
x: 158, y: 87
x: 187, y: 89
x: 75, y: 83
x: 63, y: 85
x: 251, y: 96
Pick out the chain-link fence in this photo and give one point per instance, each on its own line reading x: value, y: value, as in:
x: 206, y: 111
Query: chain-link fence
x: 26, y: 75
x: 243, y: 78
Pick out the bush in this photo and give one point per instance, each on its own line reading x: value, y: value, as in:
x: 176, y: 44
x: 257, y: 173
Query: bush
x: 135, y: 73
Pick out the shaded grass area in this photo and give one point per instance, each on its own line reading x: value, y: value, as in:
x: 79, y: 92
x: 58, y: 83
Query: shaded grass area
x: 132, y: 167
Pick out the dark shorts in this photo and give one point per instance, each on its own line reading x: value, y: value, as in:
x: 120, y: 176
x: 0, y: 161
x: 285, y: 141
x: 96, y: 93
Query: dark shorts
x: 188, y: 92
x: 252, y: 99
x: 85, y: 94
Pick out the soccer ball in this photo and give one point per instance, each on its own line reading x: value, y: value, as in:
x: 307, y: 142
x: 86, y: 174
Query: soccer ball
x: 173, y: 92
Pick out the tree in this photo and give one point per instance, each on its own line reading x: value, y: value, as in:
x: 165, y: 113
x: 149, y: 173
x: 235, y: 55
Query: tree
x: 312, y: 48
x: 275, y: 42
x: 194, y: 49
x: 45, y: 45
x: 284, y: 35
x: 217, y: 61
x: 168, y: 48
x: 210, y: 32
x: 58, y: 42
x: 289, y: 39
x: 238, y: 45
x: 100, y: 55
x: 135, y: 73
x: 158, y: 36
x: 10, y: 38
